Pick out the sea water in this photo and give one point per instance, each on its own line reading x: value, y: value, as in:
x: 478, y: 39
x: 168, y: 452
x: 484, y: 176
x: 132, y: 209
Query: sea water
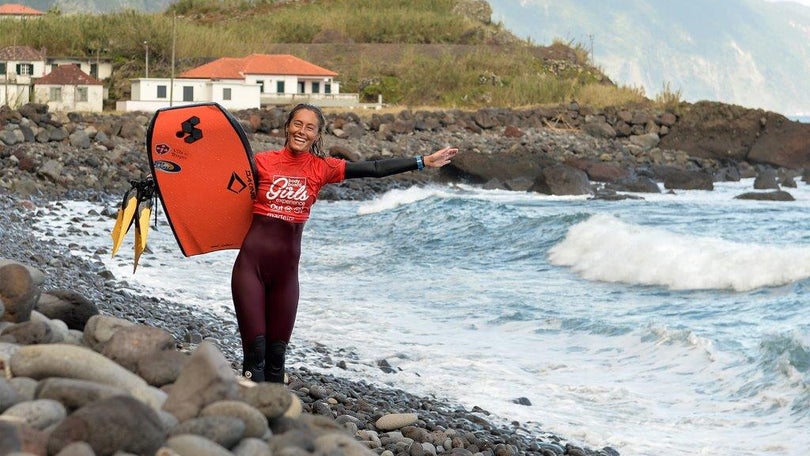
x: 674, y: 324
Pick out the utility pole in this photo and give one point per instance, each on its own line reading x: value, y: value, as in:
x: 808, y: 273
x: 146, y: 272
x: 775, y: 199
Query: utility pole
x: 146, y: 45
x: 174, y: 42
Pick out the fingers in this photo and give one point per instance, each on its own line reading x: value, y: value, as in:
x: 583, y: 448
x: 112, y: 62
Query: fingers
x: 442, y: 157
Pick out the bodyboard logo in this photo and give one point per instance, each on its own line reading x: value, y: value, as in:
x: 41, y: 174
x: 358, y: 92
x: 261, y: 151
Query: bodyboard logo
x: 189, y: 131
x: 167, y: 166
x: 236, y: 184
x: 162, y: 149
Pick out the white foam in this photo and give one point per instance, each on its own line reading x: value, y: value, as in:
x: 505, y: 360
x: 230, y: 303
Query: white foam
x: 395, y: 198
x: 607, y: 249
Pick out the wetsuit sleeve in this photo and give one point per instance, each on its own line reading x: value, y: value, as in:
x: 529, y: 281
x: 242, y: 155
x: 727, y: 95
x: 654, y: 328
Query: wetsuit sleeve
x: 380, y: 168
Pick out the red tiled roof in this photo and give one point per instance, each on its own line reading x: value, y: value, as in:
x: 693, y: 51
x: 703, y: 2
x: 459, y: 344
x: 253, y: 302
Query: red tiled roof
x: 262, y: 64
x: 20, y: 53
x: 68, y: 74
x: 15, y: 9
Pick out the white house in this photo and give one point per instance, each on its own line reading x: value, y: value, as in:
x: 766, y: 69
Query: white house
x: 19, y: 66
x: 94, y: 66
x: 242, y: 83
x: 150, y: 94
x: 17, y: 11
x: 68, y: 88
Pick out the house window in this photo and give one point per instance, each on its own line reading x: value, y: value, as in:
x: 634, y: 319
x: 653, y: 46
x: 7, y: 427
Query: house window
x: 3, y: 68
x: 316, y: 87
x: 188, y: 93
x: 94, y: 70
x: 226, y: 93
x: 54, y: 66
x: 261, y: 86
x: 81, y: 94
x: 55, y: 94
x: 279, y: 86
x: 161, y: 91
x: 25, y: 69
x: 301, y: 87
x: 327, y: 88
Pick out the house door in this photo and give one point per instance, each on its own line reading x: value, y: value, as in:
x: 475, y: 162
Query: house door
x: 188, y: 93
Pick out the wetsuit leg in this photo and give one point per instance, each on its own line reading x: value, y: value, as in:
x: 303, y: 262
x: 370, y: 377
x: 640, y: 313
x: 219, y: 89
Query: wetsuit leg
x: 274, y: 362
x: 264, y: 282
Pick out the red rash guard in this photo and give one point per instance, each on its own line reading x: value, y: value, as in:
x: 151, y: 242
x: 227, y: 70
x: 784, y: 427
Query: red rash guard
x: 289, y: 183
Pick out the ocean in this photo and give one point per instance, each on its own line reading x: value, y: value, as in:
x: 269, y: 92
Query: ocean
x: 675, y: 325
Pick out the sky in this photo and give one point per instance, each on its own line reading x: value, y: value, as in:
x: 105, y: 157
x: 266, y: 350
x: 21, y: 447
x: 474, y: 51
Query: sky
x: 803, y: 2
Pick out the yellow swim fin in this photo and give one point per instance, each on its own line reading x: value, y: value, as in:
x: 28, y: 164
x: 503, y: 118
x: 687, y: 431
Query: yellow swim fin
x: 141, y: 229
x: 124, y: 218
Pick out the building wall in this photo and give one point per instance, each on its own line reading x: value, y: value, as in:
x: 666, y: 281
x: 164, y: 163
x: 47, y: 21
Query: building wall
x: 14, y: 95
x: 10, y: 74
x: 150, y: 92
x: 104, y: 68
x: 291, y: 84
x: 69, y: 99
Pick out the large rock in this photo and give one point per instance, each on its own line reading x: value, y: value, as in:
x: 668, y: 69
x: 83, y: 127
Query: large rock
x: 128, y: 345
x: 715, y: 130
x: 271, y: 399
x: 75, y: 393
x: 255, y: 422
x: 39, y: 414
x: 18, y: 293
x: 28, y: 333
x: 67, y: 305
x: 680, y: 179
x: 36, y: 275
x: 162, y: 367
x: 70, y: 361
x: 599, y: 171
x: 111, y: 425
x: 205, y: 379
x: 562, y: 180
x: 223, y: 430
x: 479, y: 167
x: 783, y: 143
x: 100, y: 329
x: 776, y: 195
x: 728, y: 132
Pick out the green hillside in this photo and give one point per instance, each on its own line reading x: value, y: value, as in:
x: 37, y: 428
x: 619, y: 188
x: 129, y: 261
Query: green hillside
x: 443, y: 53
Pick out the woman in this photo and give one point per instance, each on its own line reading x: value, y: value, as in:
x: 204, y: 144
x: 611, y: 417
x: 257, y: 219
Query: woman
x: 264, y: 282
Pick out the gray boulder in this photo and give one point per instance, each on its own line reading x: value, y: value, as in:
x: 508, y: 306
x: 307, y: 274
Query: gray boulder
x: 111, y: 425
x: 67, y: 305
x: 562, y: 180
x: 18, y: 293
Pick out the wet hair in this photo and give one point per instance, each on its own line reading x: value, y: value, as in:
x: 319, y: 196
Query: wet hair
x: 317, y: 145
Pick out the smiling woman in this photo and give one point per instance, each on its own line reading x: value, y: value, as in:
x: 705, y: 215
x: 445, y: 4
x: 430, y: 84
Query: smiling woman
x: 264, y: 282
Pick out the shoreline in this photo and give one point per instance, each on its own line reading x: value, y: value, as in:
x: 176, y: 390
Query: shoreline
x: 66, y: 271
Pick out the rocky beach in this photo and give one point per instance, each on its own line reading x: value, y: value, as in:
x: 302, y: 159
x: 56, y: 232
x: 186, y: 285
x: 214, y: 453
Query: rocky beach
x: 180, y: 366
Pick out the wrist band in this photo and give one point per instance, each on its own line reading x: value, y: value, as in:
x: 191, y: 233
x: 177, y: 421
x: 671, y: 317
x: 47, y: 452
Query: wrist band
x: 420, y: 163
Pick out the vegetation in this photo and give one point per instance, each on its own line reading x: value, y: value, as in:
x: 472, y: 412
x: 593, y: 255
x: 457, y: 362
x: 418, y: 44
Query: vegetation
x: 410, y: 52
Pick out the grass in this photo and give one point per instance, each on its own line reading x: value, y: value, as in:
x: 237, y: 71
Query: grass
x: 412, y: 52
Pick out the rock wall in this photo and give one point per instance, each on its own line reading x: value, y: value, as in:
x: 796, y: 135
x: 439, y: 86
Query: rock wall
x: 56, y: 153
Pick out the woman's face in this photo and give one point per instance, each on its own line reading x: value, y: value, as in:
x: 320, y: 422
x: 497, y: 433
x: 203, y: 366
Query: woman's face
x: 302, y: 131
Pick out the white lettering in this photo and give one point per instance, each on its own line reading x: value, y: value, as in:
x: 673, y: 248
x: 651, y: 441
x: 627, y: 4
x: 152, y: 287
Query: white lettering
x: 284, y: 188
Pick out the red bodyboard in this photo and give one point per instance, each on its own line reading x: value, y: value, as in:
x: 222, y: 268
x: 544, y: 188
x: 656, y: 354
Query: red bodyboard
x: 204, y: 174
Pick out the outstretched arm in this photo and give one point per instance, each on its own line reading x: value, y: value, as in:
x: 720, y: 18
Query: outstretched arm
x: 390, y: 166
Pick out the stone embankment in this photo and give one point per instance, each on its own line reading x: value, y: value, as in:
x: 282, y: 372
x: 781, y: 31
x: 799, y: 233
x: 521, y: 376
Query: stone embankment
x: 566, y: 149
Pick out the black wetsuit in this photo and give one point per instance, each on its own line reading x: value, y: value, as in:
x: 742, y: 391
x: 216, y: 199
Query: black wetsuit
x: 264, y: 282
